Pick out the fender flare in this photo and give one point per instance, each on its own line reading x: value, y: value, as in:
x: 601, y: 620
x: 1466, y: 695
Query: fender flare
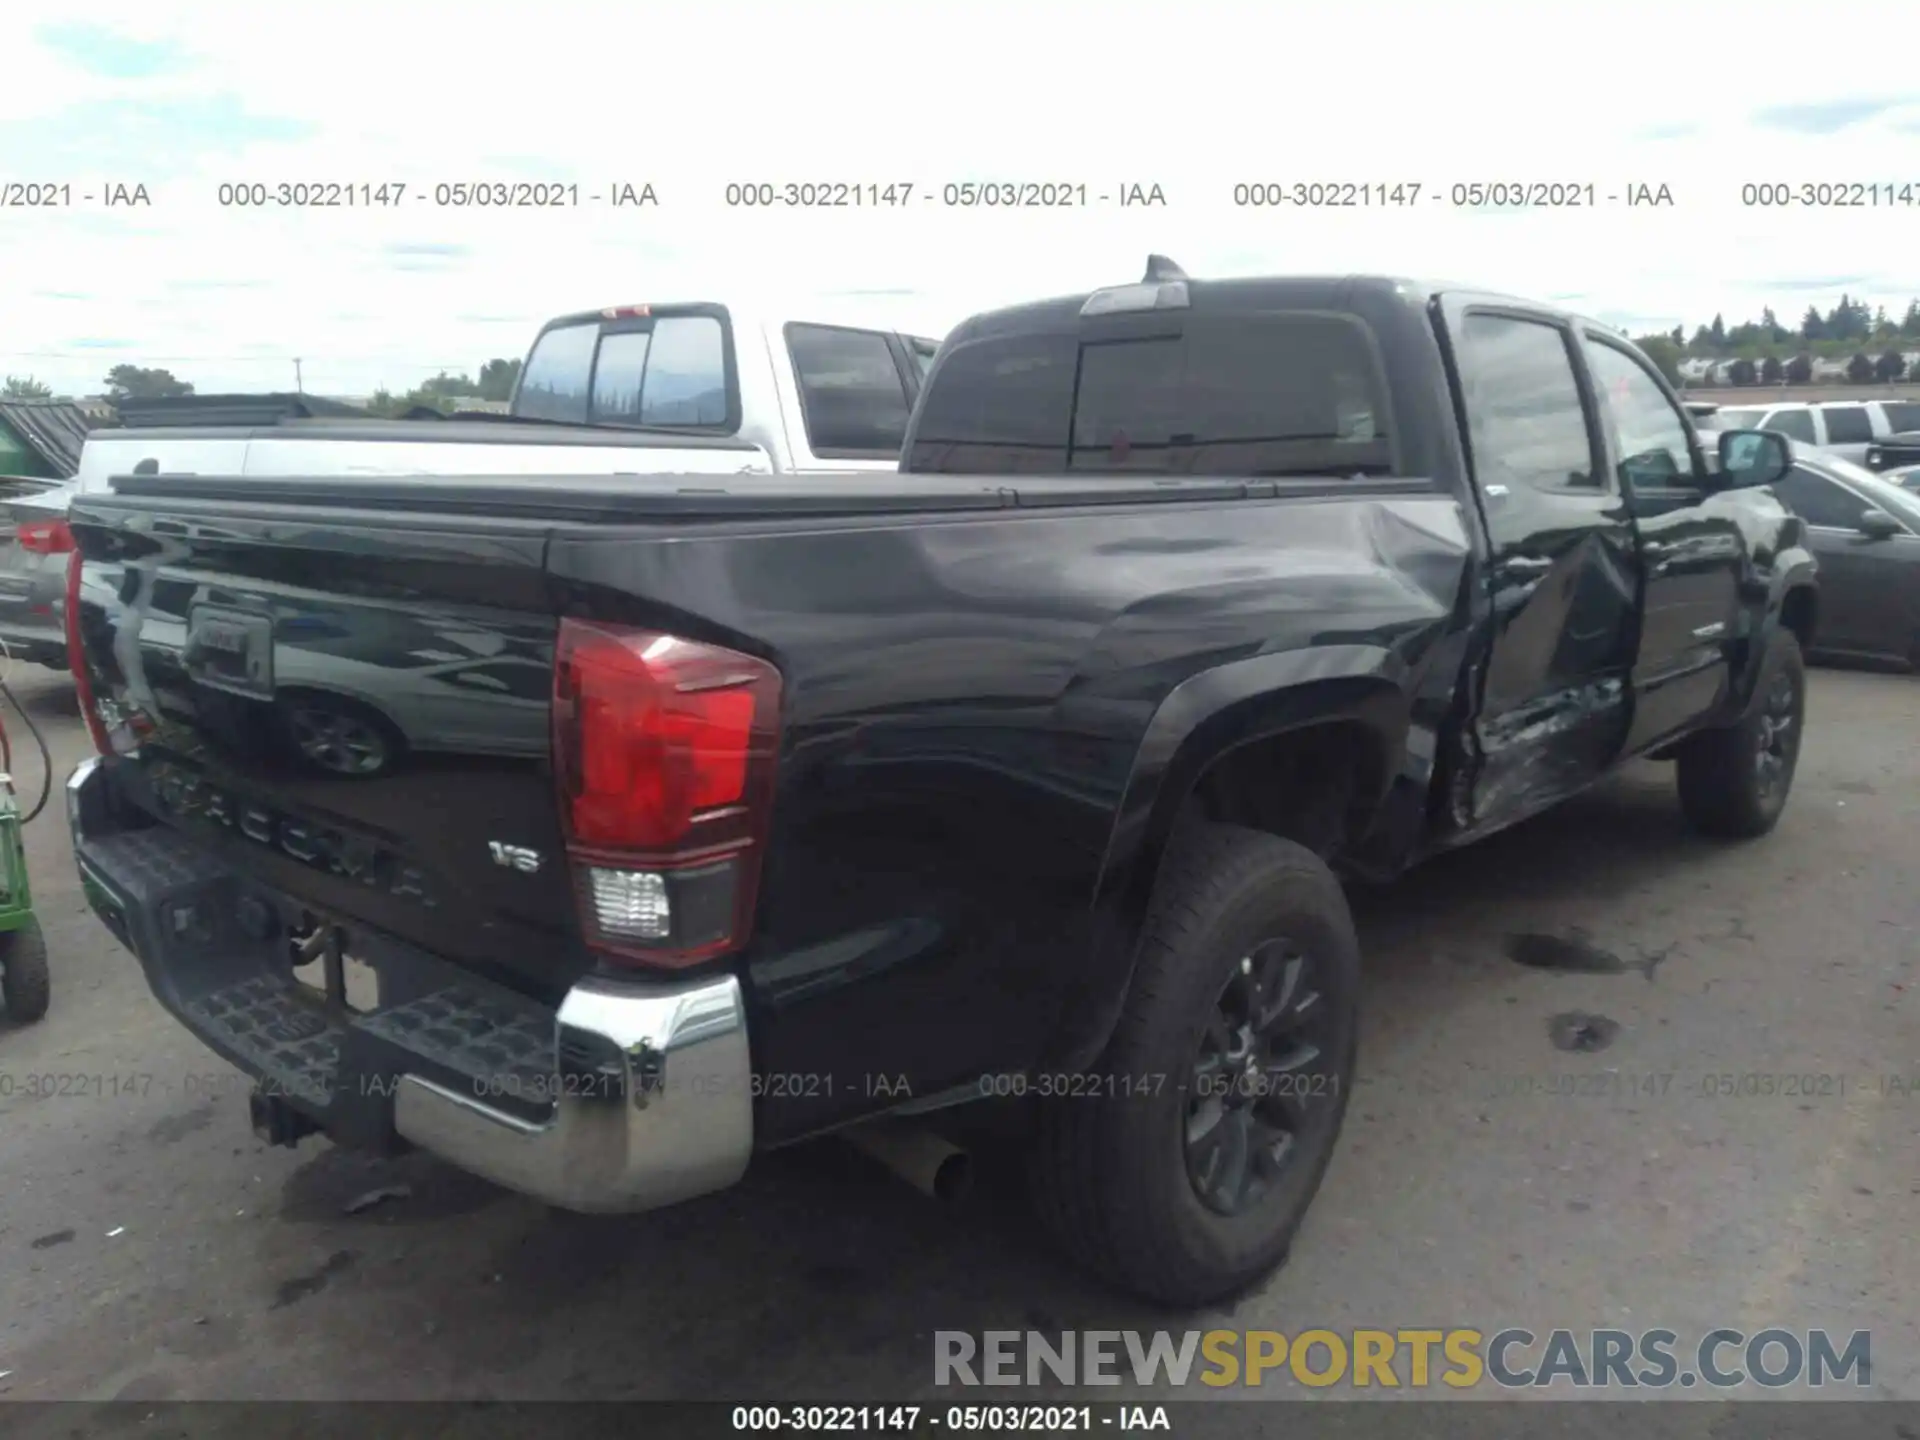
x: 1798, y: 572
x: 1200, y: 720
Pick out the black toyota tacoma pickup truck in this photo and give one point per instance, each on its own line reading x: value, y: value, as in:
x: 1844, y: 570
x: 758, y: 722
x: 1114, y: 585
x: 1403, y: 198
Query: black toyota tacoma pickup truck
x: 663, y: 821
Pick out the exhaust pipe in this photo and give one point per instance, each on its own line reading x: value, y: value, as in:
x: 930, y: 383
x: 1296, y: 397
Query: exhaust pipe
x: 930, y: 1163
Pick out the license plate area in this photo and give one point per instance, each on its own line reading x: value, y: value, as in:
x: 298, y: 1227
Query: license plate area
x: 325, y: 965
x: 231, y: 650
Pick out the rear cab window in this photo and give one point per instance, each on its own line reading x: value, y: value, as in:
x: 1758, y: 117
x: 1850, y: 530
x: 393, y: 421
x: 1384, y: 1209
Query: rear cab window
x: 1260, y: 393
x: 671, y: 369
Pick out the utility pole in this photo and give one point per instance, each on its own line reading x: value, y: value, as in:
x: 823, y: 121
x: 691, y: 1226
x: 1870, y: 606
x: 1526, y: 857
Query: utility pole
x: 298, y: 385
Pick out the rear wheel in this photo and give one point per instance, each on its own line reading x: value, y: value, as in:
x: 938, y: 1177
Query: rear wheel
x: 1183, y: 1166
x: 1734, y: 781
x: 25, y: 983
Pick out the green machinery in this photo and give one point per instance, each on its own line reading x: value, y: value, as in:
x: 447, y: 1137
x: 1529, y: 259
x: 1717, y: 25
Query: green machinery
x: 24, y: 981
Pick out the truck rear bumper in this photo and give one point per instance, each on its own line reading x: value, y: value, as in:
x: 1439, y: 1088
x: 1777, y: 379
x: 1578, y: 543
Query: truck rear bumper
x: 628, y: 1096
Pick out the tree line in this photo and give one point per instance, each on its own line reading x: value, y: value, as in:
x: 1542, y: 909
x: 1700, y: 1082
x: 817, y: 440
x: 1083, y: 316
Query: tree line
x: 445, y: 392
x: 1766, y: 352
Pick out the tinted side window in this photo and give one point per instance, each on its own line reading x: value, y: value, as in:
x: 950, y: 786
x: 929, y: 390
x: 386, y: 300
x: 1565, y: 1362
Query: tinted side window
x: 1847, y: 424
x: 554, y: 384
x: 1819, y: 501
x: 1901, y: 415
x: 851, y: 392
x: 1794, y: 424
x: 1001, y: 406
x: 1524, y: 417
x: 1653, y: 437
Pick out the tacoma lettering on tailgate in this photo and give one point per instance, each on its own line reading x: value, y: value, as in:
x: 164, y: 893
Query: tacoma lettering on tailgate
x: 194, y: 801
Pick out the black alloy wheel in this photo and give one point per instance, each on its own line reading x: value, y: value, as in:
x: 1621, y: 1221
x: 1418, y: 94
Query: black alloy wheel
x: 1261, y: 1067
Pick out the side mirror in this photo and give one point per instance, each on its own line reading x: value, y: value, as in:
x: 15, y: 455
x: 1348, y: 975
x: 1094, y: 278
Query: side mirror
x: 1878, y: 525
x: 1753, y: 457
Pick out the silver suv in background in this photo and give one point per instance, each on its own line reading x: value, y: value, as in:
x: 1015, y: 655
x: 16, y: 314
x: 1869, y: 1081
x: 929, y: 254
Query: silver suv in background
x: 1843, y: 427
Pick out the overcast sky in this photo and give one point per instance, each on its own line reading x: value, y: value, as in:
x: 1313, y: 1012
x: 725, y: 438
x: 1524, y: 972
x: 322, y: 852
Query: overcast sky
x: 182, y: 97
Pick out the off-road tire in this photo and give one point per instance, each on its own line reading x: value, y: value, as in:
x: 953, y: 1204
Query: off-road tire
x: 1109, y: 1168
x: 25, y: 983
x: 1722, y: 789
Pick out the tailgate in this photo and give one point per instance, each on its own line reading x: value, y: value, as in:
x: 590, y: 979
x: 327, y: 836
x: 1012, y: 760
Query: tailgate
x: 354, y: 707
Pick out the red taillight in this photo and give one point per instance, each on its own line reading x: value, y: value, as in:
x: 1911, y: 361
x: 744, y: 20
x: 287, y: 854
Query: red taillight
x: 77, y: 655
x: 664, y: 750
x: 45, y: 537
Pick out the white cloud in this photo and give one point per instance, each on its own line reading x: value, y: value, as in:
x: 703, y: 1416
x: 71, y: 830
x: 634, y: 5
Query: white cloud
x: 186, y: 96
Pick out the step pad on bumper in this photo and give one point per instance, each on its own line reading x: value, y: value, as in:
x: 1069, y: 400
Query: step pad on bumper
x: 151, y: 863
x: 498, y: 1041
x: 292, y: 1042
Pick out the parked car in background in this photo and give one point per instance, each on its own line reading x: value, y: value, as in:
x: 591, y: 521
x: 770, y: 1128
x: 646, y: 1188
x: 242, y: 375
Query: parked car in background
x: 41, y: 442
x: 697, y: 388
x: 34, y: 545
x: 1864, y: 531
x: 1895, y: 452
x: 1845, y: 427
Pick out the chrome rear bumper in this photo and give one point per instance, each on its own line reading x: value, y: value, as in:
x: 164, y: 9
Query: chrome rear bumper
x: 631, y: 1095
x: 674, y: 1120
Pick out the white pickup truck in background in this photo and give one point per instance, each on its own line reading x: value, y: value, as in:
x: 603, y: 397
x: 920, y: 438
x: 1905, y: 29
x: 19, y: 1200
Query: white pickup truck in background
x: 695, y: 388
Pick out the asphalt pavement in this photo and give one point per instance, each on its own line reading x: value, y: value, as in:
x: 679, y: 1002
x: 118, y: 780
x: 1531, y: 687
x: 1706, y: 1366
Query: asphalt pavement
x: 1544, y: 1135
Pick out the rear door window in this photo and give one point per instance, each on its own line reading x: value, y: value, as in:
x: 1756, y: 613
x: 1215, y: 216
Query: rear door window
x: 1794, y: 424
x: 853, y: 397
x: 1525, y: 419
x: 1288, y: 393
x: 1847, y: 424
